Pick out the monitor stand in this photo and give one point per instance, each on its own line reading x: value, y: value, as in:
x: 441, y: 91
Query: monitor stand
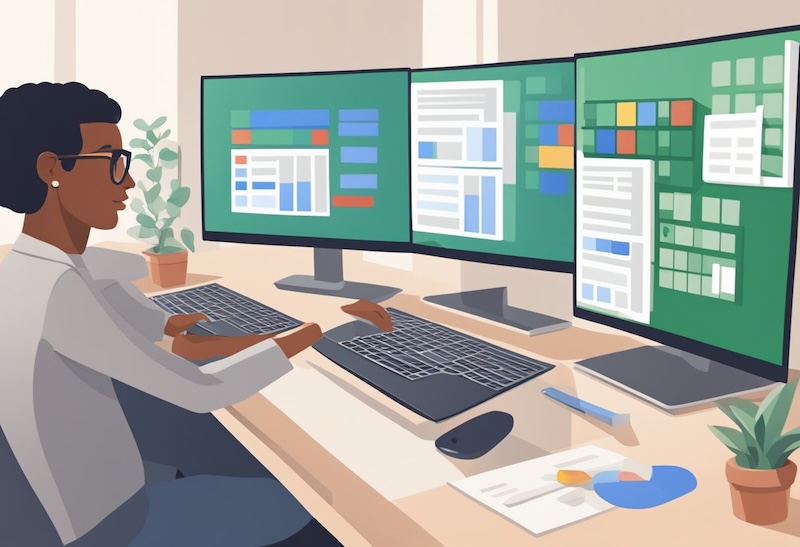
x: 492, y: 304
x: 328, y: 279
x: 671, y: 379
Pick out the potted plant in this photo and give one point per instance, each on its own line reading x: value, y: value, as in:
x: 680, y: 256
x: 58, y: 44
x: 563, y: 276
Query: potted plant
x: 159, y: 206
x: 761, y: 472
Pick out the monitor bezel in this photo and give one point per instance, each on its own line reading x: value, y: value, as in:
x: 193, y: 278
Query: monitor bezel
x: 753, y: 365
x: 495, y: 259
x: 300, y: 241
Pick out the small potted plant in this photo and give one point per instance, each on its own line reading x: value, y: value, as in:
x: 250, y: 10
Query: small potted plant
x: 761, y: 472
x: 159, y: 207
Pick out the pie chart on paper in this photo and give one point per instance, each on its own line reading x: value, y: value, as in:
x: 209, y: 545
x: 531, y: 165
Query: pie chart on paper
x: 666, y: 483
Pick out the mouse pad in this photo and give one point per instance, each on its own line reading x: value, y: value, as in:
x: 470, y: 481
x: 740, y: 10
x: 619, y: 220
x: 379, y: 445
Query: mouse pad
x: 667, y: 483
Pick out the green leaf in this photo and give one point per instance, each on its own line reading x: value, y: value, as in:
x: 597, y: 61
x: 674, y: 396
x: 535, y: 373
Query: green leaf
x: 165, y: 235
x: 154, y: 174
x: 733, y: 439
x: 745, y: 419
x: 140, y: 232
x: 140, y: 143
x: 140, y: 124
x: 153, y: 193
x: 188, y: 238
x: 146, y: 221
x: 179, y: 196
x: 145, y: 158
x: 166, y: 134
x: 137, y: 206
x: 158, y: 205
x: 775, y: 409
x: 151, y: 136
x: 158, y: 123
x: 174, y: 184
x: 784, y: 447
x: 167, y: 154
x: 740, y: 411
x: 173, y: 210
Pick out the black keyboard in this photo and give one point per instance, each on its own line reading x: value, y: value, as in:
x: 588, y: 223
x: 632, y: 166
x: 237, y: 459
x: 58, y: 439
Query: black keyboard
x: 222, y: 304
x: 417, y: 348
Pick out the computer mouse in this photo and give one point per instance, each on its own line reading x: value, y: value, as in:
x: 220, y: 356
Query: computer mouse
x: 370, y: 311
x: 476, y: 436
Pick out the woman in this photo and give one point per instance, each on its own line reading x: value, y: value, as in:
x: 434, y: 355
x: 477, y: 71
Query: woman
x: 73, y: 322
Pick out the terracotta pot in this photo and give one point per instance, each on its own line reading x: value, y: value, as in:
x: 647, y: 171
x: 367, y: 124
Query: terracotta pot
x: 167, y: 270
x: 760, y: 496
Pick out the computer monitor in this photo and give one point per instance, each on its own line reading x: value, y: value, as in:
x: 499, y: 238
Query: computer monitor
x: 686, y: 212
x: 312, y: 159
x: 492, y: 178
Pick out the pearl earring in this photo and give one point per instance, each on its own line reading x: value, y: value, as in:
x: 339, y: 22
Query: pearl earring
x: 54, y: 184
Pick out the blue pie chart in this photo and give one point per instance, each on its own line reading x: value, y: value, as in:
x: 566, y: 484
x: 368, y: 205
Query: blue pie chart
x: 666, y: 483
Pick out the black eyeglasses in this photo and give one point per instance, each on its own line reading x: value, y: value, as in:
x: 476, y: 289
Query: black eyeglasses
x: 120, y: 162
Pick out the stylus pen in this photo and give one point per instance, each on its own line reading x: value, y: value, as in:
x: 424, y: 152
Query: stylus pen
x: 600, y: 413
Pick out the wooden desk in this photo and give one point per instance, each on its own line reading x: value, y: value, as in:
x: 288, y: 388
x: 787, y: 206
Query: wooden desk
x: 346, y: 500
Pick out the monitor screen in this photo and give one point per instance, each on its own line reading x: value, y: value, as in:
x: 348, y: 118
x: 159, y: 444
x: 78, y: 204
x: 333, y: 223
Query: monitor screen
x: 308, y: 159
x: 686, y: 195
x: 492, y: 157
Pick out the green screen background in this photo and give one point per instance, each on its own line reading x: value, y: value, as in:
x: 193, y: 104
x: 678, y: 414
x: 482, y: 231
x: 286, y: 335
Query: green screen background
x: 535, y: 225
x: 387, y: 91
x: 753, y: 323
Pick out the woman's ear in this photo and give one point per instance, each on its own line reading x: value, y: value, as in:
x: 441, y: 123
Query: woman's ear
x: 46, y: 165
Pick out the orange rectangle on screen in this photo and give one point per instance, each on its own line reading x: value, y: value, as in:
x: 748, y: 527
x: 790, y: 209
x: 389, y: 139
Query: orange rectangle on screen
x: 681, y: 112
x: 626, y: 141
x: 353, y: 201
x: 241, y: 160
x: 240, y: 136
x: 319, y: 136
x: 566, y: 134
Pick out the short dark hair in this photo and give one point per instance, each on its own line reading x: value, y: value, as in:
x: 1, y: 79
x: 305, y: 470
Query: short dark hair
x: 44, y: 117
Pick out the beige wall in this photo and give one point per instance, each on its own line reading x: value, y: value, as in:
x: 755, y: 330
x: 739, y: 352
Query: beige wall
x: 536, y: 29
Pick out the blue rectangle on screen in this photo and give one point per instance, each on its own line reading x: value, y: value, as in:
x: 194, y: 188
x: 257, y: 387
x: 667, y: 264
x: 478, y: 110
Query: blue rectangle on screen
x: 241, y: 171
x: 263, y: 185
x: 606, y: 141
x: 241, y: 185
x: 557, y: 111
x: 474, y: 144
x: 442, y: 179
x: 471, y: 214
x: 358, y: 182
x: 358, y: 129
x: 587, y: 291
x: 488, y: 202
x: 620, y: 248
x: 359, y: 154
x: 241, y: 201
x: 604, y: 295
x: 589, y: 243
x: 304, y: 196
x: 646, y: 114
x: 286, y: 196
x: 548, y: 135
x: 553, y: 183
x: 359, y: 115
x: 489, y: 144
x: 603, y: 245
x: 289, y: 119
x: 426, y: 151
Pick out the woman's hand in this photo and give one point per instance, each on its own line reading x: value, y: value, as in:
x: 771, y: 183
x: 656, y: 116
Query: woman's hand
x: 177, y: 324
x: 196, y: 347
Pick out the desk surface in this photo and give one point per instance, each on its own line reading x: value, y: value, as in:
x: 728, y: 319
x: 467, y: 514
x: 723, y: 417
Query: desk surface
x: 319, y: 436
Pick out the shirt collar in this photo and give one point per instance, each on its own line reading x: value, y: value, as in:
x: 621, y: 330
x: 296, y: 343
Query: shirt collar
x: 31, y: 246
